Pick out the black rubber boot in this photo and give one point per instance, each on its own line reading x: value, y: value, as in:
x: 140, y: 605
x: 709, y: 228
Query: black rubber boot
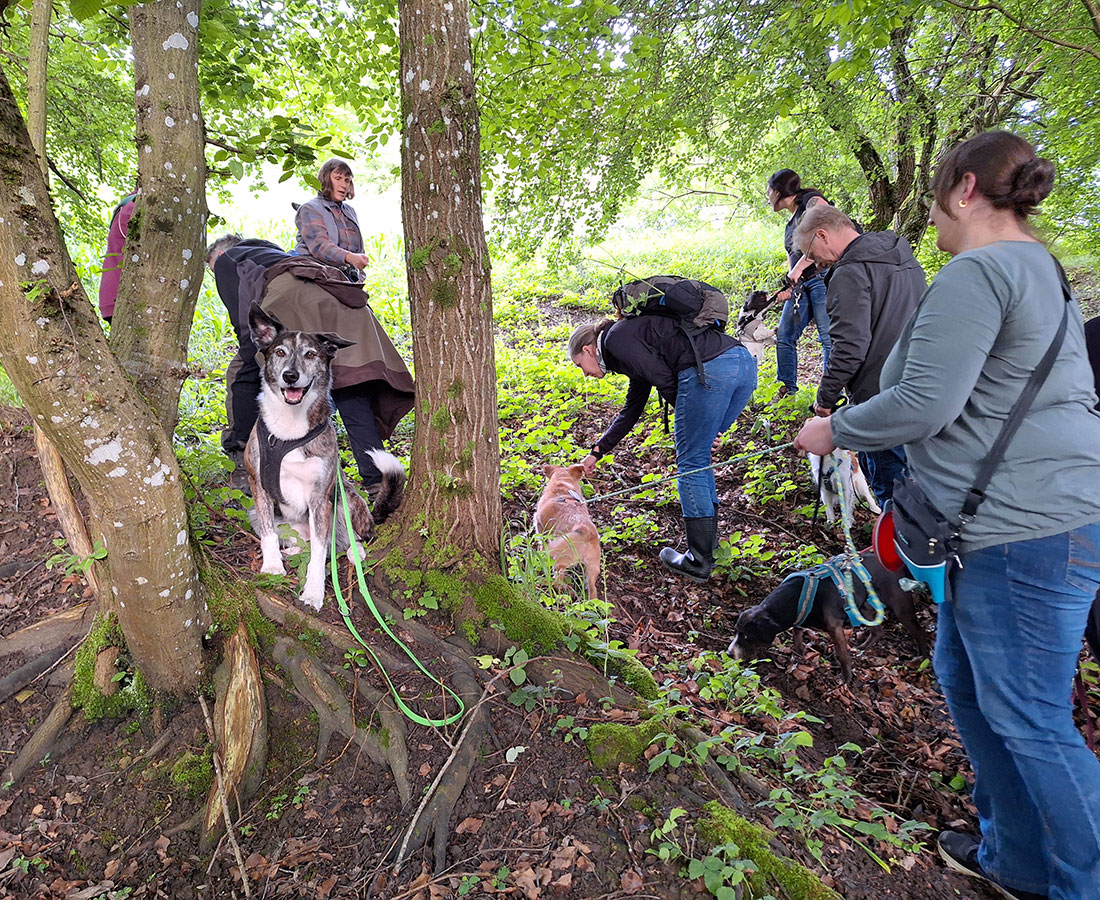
x: 698, y: 562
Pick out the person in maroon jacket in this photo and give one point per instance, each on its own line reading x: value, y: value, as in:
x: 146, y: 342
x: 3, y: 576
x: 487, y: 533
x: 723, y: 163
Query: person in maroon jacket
x: 112, y: 262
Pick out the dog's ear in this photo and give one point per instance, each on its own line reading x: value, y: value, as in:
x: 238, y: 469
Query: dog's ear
x: 576, y: 471
x: 265, y: 328
x: 549, y: 470
x: 333, y: 342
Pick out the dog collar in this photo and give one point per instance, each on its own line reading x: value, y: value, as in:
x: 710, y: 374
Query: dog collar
x: 273, y: 450
x: 573, y: 495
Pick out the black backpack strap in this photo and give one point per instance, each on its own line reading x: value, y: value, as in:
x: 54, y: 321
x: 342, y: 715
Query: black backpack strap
x: 1015, y: 418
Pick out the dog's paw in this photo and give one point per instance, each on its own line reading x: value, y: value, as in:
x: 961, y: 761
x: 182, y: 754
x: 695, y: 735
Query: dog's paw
x: 273, y: 567
x: 312, y: 599
x: 356, y: 553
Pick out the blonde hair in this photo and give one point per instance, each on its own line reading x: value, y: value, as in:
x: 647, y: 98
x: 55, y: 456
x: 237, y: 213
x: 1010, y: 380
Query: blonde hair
x: 586, y: 334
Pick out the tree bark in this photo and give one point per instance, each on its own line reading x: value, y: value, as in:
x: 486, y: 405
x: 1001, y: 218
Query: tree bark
x: 162, y: 267
x: 38, y: 52
x: 54, y: 351
x: 454, y: 485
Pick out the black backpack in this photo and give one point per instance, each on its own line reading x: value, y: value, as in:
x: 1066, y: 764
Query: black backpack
x: 695, y: 305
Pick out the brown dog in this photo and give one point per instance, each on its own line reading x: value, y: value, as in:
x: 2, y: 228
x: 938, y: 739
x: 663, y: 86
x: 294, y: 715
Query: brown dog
x: 563, y: 513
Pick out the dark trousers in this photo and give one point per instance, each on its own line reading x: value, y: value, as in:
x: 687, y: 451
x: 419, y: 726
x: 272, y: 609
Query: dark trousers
x: 356, y: 408
x: 883, y: 467
x: 242, y: 392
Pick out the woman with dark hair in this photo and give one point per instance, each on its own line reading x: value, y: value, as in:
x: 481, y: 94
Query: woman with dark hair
x: 805, y: 297
x: 328, y: 229
x: 1009, y: 636
x: 654, y: 352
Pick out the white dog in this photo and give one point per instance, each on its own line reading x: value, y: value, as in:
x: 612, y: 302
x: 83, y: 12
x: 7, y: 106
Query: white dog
x: 755, y: 335
x: 841, y: 470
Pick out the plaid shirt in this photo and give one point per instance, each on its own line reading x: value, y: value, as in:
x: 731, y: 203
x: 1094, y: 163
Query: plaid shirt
x: 313, y: 232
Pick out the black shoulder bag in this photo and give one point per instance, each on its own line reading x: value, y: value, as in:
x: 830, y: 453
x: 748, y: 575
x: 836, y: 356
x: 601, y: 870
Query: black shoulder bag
x: 923, y: 534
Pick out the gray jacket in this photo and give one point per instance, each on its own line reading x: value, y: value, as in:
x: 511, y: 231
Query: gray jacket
x: 873, y: 290
x: 959, y: 366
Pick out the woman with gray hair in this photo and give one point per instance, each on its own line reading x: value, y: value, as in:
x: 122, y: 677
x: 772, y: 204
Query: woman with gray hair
x: 328, y: 229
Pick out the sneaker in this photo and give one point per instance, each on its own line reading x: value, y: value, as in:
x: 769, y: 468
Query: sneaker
x: 960, y: 852
x: 784, y: 391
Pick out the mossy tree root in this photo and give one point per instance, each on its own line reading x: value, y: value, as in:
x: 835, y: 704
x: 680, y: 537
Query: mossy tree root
x: 316, y: 687
x: 43, y: 742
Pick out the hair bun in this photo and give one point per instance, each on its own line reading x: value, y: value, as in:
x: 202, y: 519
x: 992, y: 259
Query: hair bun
x: 1033, y: 182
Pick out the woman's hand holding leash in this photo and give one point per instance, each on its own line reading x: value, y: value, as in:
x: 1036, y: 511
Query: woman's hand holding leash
x: 816, y: 436
x: 589, y: 463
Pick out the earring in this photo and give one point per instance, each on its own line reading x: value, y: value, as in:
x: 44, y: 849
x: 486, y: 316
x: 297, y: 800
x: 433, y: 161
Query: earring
x: 962, y: 203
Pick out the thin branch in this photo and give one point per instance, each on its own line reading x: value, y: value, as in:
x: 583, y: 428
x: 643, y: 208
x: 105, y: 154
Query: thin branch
x: 1091, y: 5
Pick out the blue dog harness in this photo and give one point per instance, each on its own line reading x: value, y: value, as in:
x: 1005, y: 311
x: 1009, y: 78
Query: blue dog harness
x: 839, y: 570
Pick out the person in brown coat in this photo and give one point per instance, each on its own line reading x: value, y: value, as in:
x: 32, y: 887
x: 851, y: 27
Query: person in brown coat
x: 372, y: 387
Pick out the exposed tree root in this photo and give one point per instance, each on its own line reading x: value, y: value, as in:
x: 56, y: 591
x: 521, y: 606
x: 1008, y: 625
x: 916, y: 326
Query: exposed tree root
x: 42, y: 742
x: 220, y: 791
x: 15, y: 681
x: 239, y: 731
x: 57, y: 630
x: 315, y: 686
x: 288, y: 614
x: 68, y: 515
x: 432, y: 819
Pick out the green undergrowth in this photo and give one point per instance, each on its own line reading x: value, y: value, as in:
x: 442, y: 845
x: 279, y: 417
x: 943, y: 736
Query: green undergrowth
x: 194, y: 772
x: 132, y: 694
x: 232, y: 601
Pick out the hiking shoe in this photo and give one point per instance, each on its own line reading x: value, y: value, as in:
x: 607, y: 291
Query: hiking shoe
x: 784, y: 391
x: 238, y: 478
x: 960, y: 852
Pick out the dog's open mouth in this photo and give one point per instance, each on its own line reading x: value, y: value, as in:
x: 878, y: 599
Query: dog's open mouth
x: 294, y: 395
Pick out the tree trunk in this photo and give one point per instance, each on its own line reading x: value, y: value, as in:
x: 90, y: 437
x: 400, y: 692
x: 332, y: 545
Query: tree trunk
x: 454, y: 484
x: 162, y: 267
x: 37, y: 55
x: 54, y: 351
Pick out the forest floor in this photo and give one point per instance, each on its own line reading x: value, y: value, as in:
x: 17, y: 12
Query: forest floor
x: 103, y: 818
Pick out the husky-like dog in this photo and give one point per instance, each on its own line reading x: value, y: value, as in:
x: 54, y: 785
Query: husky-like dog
x: 291, y: 456
x: 842, y: 469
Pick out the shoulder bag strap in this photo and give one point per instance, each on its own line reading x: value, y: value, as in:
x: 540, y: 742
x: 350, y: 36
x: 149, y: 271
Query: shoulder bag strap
x: 1016, y: 416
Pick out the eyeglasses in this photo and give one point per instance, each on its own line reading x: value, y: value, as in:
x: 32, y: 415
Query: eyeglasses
x: 809, y: 247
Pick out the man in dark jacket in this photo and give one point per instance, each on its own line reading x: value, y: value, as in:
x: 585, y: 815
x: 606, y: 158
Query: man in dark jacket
x: 873, y: 286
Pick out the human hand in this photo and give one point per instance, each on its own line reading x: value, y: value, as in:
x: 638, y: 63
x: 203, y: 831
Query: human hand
x: 784, y: 295
x: 820, y: 410
x: 359, y: 260
x: 589, y: 463
x: 816, y: 436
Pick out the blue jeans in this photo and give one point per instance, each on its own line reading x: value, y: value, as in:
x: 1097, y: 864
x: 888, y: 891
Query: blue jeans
x: 883, y: 467
x: 1006, y: 651
x: 793, y: 322
x: 703, y: 413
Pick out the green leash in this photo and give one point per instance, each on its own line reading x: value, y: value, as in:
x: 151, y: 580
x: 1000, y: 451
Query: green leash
x: 854, y: 562
x: 340, y: 499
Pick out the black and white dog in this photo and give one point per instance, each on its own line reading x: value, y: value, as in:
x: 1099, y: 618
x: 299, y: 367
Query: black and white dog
x: 751, y: 330
x: 292, y: 458
x: 841, y: 470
